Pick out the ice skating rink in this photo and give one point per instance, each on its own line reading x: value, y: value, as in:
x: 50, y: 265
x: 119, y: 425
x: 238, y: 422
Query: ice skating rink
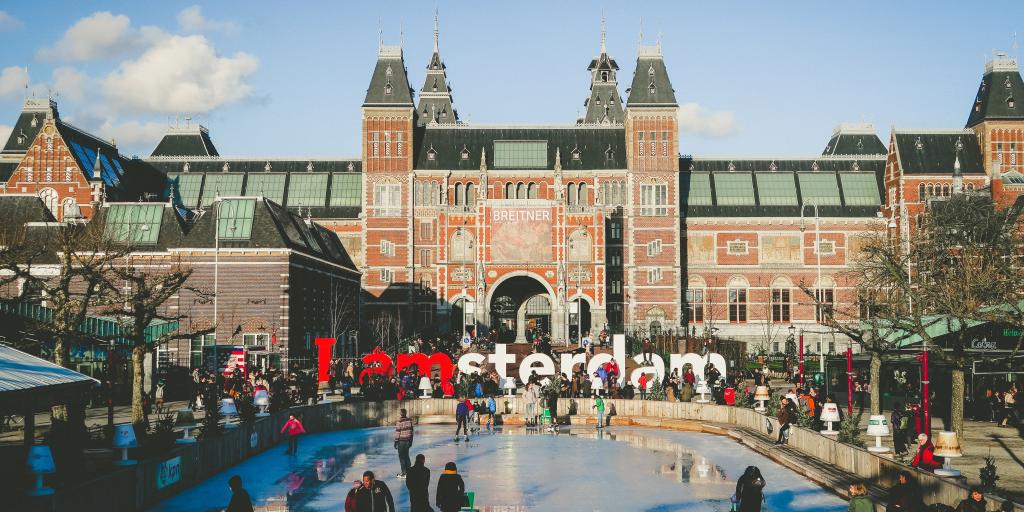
x: 513, y: 469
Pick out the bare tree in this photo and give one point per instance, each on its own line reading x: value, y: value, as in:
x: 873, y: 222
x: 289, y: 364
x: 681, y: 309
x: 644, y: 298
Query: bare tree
x: 67, y: 265
x: 343, y: 309
x: 144, y: 285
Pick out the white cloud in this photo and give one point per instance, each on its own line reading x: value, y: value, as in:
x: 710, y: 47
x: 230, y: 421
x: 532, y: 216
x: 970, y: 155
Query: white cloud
x: 100, y: 35
x: 132, y: 133
x: 8, y: 22
x: 698, y: 120
x: 70, y: 83
x: 5, y: 132
x: 180, y: 74
x: 13, y: 80
x: 191, y: 19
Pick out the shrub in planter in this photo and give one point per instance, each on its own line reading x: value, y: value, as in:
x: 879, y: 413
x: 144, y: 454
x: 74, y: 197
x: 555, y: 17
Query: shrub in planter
x: 849, y: 431
x: 211, y: 417
x: 246, y: 409
x: 161, y: 436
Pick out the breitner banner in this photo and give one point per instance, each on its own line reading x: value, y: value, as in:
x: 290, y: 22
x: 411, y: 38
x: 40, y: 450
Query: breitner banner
x: 379, y: 363
x: 520, y: 234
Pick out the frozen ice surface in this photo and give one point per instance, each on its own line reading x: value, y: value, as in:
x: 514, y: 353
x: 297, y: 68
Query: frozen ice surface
x: 578, y: 469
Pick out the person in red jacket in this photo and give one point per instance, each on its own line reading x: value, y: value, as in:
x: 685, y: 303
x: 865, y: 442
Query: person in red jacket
x: 642, y: 384
x: 294, y: 428
x: 925, y: 458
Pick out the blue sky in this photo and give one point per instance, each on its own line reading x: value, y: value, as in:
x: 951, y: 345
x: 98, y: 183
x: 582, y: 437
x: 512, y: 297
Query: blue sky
x: 287, y: 78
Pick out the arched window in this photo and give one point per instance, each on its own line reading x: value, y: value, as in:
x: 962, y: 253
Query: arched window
x: 50, y: 199
x: 436, y: 189
x: 945, y: 190
x: 531, y: 191
x: 580, y: 246
x: 571, y: 198
x: 584, y: 200
x: 509, y: 191
x: 931, y: 190
x: 520, y: 190
x: 460, y: 198
x: 920, y: 192
x: 69, y: 209
x: 655, y: 320
x: 417, y: 193
x: 470, y: 194
x: 463, y: 246
x: 737, y: 295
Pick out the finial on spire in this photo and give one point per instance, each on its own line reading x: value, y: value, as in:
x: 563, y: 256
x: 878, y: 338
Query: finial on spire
x: 603, y: 30
x: 435, y: 30
x: 641, y: 43
x: 401, y: 34
x: 380, y: 33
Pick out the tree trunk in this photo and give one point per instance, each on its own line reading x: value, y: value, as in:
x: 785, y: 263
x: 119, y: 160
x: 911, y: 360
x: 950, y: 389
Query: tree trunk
x: 138, y: 393
x: 956, y: 406
x: 876, y: 383
x: 59, y: 412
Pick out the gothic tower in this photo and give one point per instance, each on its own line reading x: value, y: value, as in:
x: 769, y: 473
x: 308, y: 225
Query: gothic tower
x: 997, y: 118
x: 435, y: 105
x: 604, y: 106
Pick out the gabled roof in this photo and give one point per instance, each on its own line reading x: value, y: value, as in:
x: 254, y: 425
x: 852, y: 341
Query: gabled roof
x: 651, y: 85
x: 999, y: 94
x: 855, y: 139
x: 598, y: 147
x: 936, y: 152
x: 840, y: 186
x: 98, y: 158
x: 186, y: 141
x: 18, y: 210
x: 30, y: 121
x: 389, y: 85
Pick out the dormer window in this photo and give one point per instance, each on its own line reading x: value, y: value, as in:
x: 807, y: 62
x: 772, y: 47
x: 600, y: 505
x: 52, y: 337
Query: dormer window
x: 444, y: 113
x: 387, y: 88
x: 773, y: 166
x: 611, y: 100
x: 184, y: 168
x: 431, y: 154
x: 597, y: 100
x: 435, y: 85
x: 609, y: 154
x: 650, y: 71
x: 732, y: 167
x: 604, y: 76
x: 977, y: 105
x: 1009, y: 102
x: 856, y: 166
x: 576, y: 155
x: 918, y: 144
x: 388, y: 70
x: 34, y: 122
x: 267, y: 167
x: 652, y: 88
x: 21, y: 139
x: 465, y: 154
x: 959, y: 144
x: 225, y: 167
x: 814, y: 166
x: 1007, y: 83
x: 860, y: 143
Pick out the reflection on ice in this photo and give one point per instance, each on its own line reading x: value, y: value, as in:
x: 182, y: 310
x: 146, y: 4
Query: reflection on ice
x: 515, y: 469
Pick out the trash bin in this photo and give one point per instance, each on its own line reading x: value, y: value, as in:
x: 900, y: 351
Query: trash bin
x: 470, y: 499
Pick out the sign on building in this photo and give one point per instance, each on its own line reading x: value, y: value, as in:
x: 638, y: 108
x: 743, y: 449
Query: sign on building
x: 521, y: 234
x: 168, y: 472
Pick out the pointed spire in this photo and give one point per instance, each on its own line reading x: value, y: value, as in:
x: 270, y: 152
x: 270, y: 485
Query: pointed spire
x: 483, y: 159
x: 558, y: 158
x: 604, y: 48
x: 435, y: 31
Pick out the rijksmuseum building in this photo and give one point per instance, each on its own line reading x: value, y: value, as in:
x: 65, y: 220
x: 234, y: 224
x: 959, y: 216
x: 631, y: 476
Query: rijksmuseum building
x: 601, y: 223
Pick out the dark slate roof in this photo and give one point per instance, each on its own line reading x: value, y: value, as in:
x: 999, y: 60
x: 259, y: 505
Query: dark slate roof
x: 29, y: 122
x: 98, y: 158
x: 255, y: 164
x: 273, y: 226
x: 24, y: 373
x: 186, y: 142
x: 766, y: 187
x: 7, y: 168
x: 592, y: 143
x: 1000, y: 93
x: 855, y: 140
x: 650, y: 70
x: 389, y: 58
x: 935, y: 152
x: 17, y: 210
x: 604, y: 105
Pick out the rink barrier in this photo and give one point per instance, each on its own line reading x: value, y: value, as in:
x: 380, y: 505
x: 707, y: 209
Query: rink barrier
x: 135, y: 487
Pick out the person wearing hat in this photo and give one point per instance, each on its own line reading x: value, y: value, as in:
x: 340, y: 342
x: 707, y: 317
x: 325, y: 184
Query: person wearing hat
x: 451, y: 490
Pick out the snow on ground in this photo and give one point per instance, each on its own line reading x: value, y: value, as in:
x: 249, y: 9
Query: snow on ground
x: 513, y: 469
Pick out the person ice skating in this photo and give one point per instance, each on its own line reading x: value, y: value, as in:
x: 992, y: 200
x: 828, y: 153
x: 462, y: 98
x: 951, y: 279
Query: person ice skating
x: 418, y: 483
x: 374, y: 496
x: 351, y: 499
x: 925, y: 458
x: 403, y: 441
x: 240, y: 500
x: 859, y: 500
x: 750, y: 490
x: 599, y: 405
x: 461, y: 418
x: 492, y: 408
x: 451, y: 490
x: 294, y: 428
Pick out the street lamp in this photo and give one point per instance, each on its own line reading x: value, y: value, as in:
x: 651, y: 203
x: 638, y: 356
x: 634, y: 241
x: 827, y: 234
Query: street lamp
x: 818, y: 293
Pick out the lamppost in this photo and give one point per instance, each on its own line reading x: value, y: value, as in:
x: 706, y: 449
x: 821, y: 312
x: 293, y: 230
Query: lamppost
x: 925, y: 398
x: 819, y: 294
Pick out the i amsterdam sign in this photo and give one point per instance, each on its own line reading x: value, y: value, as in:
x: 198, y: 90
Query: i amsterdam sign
x: 380, y: 363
